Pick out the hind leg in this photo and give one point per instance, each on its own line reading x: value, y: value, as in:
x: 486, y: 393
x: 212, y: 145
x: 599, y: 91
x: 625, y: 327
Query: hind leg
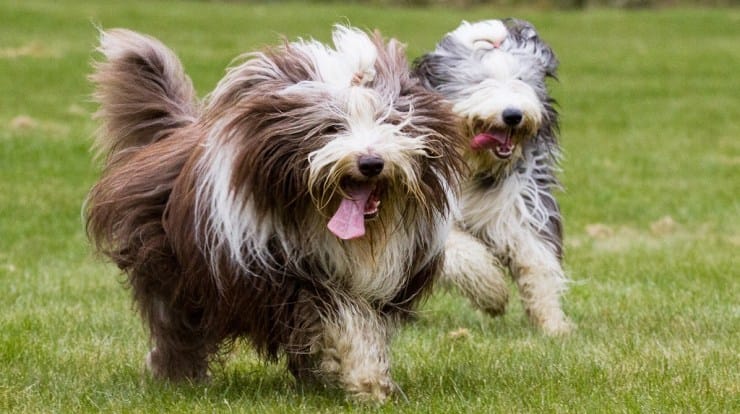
x: 180, y: 351
x: 471, y: 268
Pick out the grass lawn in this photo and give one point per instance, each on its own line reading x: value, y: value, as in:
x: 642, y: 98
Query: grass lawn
x: 651, y: 130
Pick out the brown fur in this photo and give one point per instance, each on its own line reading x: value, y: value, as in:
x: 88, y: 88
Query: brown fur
x: 144, y: 212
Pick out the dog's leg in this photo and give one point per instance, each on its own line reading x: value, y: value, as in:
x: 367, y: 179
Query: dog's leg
x: 541, y: 282
x: 470, y: 266
x: 179, y: 352
x: 355, y: 351
x: 524, y: 231
x: 303, y: 344
x: 537, y: 253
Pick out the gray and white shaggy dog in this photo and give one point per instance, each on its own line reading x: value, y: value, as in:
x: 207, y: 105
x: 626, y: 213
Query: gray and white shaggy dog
x: 494, y: 73
x: 304, y: 204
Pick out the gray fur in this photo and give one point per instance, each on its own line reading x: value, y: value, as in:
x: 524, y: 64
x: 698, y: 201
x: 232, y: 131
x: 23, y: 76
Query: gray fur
x: 455, y: 68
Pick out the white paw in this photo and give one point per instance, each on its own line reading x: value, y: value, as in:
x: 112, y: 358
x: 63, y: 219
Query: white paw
x: 558, y: 327
x: 375, y: 390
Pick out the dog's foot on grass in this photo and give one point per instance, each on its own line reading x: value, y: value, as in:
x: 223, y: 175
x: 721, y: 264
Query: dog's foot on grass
x: 558, y: 327
x: 371, y: 390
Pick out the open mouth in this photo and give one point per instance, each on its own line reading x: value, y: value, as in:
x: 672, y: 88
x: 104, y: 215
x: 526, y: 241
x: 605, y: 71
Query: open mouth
x: 361, y: 203
x: 372, y: 203
x: 499, y: 141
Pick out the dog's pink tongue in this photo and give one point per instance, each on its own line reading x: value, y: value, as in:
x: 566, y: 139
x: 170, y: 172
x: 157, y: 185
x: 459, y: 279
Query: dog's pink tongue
x: 487, y: 140
x: 349, y: 220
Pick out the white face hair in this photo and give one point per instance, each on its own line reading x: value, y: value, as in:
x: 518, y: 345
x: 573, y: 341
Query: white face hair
x: 494, y: 73
x: 351, y: 106
x: 487, y: 34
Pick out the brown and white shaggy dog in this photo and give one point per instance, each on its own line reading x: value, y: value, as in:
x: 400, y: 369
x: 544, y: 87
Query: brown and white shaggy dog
x: 303, y: 204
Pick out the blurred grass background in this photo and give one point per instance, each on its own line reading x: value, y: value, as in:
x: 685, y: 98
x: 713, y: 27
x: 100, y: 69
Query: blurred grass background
x: 540, y: 4
x: 650, y: 109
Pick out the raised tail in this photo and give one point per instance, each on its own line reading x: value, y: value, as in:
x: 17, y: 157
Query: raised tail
x: 143, y: 92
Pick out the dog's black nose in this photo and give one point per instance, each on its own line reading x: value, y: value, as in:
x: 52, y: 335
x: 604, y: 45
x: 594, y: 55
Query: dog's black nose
x: 512, y: 116
x: 370, y: 165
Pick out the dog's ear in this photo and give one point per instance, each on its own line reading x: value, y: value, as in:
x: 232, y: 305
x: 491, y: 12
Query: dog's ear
x: 525, y: 32
x: 422, y: 71
x: 429, y: 70
x: 521, y: 29
x: 548, y: 59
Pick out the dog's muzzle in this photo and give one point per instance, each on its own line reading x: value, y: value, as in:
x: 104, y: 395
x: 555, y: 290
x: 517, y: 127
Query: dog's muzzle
x: 362, y: 201
x: 497, y: 140
x: 500, y: 140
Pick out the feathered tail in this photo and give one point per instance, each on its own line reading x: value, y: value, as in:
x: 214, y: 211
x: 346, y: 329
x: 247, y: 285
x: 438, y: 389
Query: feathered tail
x: 145, y: 97
x: 143, y: 92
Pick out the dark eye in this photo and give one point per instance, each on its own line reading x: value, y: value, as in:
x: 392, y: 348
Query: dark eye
x: 330, y: 129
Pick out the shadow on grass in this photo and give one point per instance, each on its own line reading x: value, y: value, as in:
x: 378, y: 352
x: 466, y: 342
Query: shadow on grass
x: 442, y: 357
x: 242, y: 380
x: 269, y: 387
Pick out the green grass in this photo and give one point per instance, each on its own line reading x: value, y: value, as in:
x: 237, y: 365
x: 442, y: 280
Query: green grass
x: 650, y: 104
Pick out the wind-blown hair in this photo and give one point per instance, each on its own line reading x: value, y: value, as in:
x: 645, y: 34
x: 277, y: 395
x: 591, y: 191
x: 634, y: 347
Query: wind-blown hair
x: 494, y: 73
x: 303, y: 204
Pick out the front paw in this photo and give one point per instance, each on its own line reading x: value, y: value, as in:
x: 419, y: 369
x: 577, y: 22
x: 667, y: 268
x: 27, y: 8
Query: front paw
x: 370, y: 390
x: 558, y: 327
